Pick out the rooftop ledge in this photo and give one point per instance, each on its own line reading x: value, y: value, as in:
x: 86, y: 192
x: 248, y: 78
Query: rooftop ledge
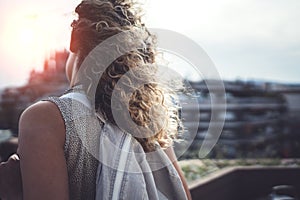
x: 244, y: 182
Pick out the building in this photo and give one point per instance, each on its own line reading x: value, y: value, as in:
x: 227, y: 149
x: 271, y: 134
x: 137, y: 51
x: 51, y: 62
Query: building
x: 51, y: 81
x: 260, y: 120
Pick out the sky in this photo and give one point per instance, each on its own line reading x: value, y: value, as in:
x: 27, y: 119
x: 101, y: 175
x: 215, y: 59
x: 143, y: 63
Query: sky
x: 247, y: 40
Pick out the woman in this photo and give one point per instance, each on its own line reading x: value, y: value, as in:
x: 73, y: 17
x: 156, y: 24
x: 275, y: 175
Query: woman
x: 66, y: 151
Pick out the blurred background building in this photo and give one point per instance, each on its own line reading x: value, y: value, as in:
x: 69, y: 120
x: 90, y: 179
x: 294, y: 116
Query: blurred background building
x: 262, y: 119
x: 51, y: 81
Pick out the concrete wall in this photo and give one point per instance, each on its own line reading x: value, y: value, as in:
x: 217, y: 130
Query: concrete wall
x: 244, y: 183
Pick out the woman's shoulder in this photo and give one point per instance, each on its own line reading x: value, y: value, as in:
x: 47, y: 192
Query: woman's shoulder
x: 40, y: 106
x: 42, y: 120
x: 41, y: 151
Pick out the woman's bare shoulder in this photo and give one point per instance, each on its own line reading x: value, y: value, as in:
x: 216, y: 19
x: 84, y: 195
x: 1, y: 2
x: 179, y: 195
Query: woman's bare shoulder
x: 42, y: 120
x: 41, y: 151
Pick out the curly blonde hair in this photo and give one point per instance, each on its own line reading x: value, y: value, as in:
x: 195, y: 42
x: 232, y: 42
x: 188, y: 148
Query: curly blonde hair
x: 151, y: 104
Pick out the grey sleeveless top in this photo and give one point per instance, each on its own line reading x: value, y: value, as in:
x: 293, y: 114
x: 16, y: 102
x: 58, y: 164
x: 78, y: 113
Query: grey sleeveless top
x: 142, y: 176
x: 81, y: 164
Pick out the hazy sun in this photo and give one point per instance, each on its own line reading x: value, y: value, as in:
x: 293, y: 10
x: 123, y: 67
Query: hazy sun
x: 30, y: 38
x: 26, y: 37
